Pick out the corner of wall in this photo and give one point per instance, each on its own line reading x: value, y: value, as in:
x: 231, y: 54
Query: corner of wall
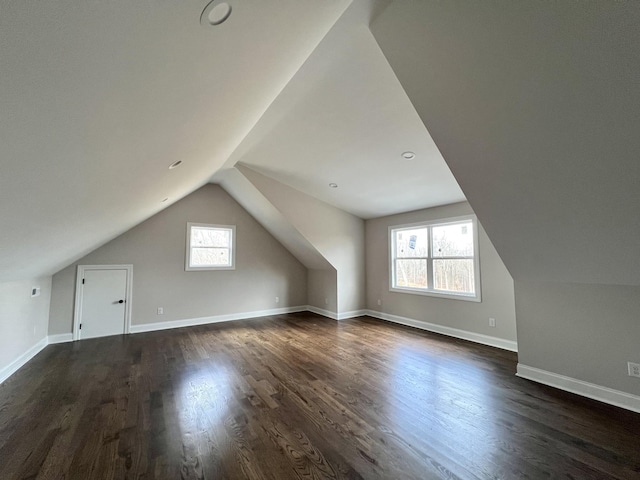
x: 23, y: 322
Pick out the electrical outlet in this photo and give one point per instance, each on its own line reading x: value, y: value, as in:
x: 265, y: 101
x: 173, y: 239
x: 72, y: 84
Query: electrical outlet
x: 326, y: 301
x: 277, y: 299
x: 379, y: 302
x: 634, y: 369
x: 492, y: 322
x: 160, y: 311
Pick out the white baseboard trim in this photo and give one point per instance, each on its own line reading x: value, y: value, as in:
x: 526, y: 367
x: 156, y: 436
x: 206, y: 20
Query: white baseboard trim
x: 449, y: 331
x: 336, y: 316
x: 579, y: 387
x: 190, y: 322
x: 351, y: 314
x: 14, y: 366
x: 60, y: 338
x: 10, y: 369
x: 322, y: 311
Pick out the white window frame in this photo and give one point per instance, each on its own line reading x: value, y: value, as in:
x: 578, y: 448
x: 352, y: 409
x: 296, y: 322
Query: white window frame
x: 430, y: 291
x: 232, y: 253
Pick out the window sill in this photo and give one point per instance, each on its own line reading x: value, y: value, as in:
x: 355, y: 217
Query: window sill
x: 197, y: 269
x: 432, y: 293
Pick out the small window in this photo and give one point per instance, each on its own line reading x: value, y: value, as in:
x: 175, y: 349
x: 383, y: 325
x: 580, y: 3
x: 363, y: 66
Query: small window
x: 436, y: 258
x: 210, y: 247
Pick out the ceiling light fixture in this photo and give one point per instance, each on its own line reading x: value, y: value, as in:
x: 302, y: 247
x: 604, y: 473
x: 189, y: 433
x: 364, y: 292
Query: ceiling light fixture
x: 408, y: 155
x: 215, y: 13
x: 175, y: 164
x: 333, y: 185
x: 165, y: 199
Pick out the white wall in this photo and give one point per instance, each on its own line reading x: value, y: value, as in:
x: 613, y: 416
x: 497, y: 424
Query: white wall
x: 336, y: 234
x: 156, y: 248
x: 23, y: 322
x: 583, y: 331
x: 497, y: 285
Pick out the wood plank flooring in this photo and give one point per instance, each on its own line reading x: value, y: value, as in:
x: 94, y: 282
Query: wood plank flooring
x: 300, y: 397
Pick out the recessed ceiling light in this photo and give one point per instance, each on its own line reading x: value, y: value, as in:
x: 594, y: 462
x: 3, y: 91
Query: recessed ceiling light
x: 215, y: 13
x: 175, y: 164
x: 408, y: 155
x: 333, y: 185
x: 165, y: 199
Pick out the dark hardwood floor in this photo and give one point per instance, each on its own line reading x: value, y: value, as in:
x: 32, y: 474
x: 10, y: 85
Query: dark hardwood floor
x: 300, y: 396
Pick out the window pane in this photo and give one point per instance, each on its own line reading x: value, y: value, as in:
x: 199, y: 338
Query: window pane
x: 210, y: 237
x: 454, y: 276
x: 412, y: 243
x: 411, y: 273
x: 206, y: 257
x: 453, y: 240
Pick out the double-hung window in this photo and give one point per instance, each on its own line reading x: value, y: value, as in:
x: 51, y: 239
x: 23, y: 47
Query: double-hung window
x: 436, y: 258
x: 210, y: 247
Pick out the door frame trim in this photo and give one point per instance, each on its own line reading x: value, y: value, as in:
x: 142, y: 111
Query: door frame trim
x: 79, y: 290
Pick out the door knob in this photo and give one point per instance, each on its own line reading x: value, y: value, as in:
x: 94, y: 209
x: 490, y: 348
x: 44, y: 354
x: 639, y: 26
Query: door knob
x: 120, y: 301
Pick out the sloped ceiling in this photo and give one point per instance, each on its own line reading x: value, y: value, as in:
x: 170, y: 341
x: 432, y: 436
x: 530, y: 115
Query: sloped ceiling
x: 345, y: 119
x: 534, y: 106
x: 99, y: 98
x: 536, y: 109
x: 254, y: 202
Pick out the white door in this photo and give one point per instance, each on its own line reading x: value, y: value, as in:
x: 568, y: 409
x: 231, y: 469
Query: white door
x: 103, y: 303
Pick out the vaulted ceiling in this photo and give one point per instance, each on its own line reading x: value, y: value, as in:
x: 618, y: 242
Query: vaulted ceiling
x: 99, y: 98
x: 534, y: 106
x: 345, y: 119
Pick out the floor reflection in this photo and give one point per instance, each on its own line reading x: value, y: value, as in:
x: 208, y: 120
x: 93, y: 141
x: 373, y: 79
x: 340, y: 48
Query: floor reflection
x: 204, y: 402
x: 454, y: 399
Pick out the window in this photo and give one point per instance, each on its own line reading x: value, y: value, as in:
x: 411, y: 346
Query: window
x: 210, y: 247
x: 436, y: 258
